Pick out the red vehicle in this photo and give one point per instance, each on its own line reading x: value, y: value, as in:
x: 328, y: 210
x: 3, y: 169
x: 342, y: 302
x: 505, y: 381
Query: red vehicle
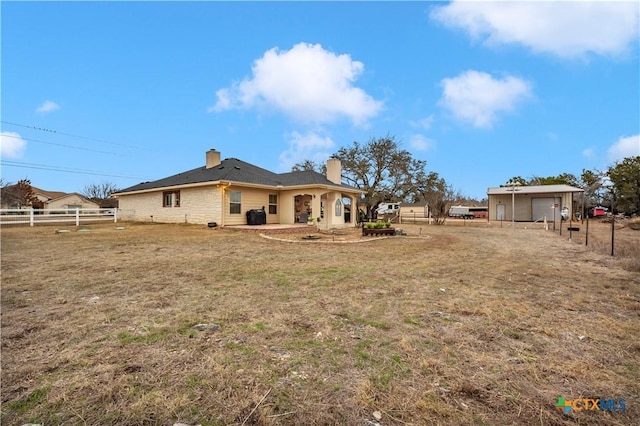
x: 597, y: 212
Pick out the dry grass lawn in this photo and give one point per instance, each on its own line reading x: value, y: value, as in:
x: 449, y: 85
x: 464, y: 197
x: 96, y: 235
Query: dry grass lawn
x: 453, y: 325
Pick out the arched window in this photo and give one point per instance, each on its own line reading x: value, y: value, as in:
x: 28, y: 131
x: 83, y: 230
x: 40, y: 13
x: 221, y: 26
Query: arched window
x: 338, y: 207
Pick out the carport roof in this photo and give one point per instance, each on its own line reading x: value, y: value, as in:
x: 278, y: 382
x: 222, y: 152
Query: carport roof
x: 533, y: 189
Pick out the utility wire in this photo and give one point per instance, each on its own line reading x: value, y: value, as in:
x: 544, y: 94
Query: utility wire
x: 61, y: 144
x: 63, y: 169
x: 42, y: 129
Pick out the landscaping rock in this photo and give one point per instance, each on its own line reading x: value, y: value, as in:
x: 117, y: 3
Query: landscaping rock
x: 206, y: 327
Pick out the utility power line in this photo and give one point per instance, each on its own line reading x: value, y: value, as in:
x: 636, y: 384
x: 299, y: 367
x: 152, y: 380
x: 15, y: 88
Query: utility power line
x: 8, y: 163
x: 42, y: 129
x: 61, y: 144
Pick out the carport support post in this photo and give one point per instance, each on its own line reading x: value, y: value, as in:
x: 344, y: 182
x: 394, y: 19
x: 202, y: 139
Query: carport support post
x: 560, y: 224
x: 613, y: 227
x: 586, y: 232
x: 513, y: 207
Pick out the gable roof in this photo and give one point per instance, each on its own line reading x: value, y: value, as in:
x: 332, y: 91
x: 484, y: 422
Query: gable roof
x: 71, y: 194
x: 234, y: 170
x: 49, y: 194
x: 533, y: 189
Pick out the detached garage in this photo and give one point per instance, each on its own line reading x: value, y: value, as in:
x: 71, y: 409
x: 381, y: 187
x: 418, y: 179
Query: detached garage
x: 531, y: 203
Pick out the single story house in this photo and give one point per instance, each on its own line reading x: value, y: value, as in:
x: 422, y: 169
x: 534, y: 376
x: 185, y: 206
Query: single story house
x: 531, y: 203
x: 51, y: 201
x: 414, y: 210
x: 68, y: 203
x: 222, y: 192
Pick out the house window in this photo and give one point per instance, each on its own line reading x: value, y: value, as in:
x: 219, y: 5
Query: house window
x: 273, y: 204
x: 338, y: 208
x: 235, y: 200
x: 171, y: 199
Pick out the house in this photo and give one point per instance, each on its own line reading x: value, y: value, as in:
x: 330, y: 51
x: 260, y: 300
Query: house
x: 222, y: 192
x: 531, y: 203
x: 49, y: 201
x: 414, y: 210
x: 44, y: 197
x: 68, y: 203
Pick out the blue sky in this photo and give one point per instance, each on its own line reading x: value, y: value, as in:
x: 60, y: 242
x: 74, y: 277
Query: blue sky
x: 125, y: 92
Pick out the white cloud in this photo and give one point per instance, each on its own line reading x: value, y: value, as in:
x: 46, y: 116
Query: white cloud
x: 421, y: 143
x: 424, y: 123
x: 552, y: 136
x: 310, y: 146
x: 625, y: 147
x: 562, y: 28
x: 47, y: 106
x: 588, y: 153
x: 476, y: 97
x: 307, y: 83
x: 11, y: 145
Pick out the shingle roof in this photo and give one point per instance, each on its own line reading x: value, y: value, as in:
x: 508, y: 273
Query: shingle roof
x: 49, y: 194
x: 234, y: 170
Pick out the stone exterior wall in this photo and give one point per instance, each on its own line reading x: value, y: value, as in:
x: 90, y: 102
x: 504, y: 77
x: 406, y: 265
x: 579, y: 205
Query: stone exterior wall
x: 199, y: 205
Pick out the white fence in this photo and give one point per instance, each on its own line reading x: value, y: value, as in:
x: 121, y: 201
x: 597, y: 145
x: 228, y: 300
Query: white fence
x: 44, y: 216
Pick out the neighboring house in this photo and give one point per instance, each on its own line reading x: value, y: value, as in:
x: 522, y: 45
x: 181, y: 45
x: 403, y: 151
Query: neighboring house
x: 224, y: 191
x: 68, y: 203
x: 414, y: 210
x: 44, y: 197
x: 54, y: 201
x: 532, y: 203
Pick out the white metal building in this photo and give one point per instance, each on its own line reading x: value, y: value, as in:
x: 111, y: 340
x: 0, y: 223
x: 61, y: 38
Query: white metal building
x: 531, y: 203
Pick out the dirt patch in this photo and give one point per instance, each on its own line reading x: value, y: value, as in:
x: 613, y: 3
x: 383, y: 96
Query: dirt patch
x: 448, y: 325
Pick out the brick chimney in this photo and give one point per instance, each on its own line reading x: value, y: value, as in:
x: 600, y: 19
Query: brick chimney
x: 213, y: 158
x: 334, y: 170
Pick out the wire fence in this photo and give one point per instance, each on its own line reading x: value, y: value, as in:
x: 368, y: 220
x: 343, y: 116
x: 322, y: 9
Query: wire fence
x: 611, y: 236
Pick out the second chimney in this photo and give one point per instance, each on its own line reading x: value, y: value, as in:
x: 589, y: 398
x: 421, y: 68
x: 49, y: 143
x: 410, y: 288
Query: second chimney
x: 334, y: 170
x: 213, y: 158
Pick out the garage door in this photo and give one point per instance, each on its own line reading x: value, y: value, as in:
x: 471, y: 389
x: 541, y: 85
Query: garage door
x: 541, y: 207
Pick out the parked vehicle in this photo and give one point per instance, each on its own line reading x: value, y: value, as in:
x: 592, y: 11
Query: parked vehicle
x: 597, y: 211
x: 388, y: 208
x: 461, y: 212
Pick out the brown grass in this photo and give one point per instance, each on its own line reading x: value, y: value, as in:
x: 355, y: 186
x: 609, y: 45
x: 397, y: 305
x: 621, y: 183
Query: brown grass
x: 453, y: 325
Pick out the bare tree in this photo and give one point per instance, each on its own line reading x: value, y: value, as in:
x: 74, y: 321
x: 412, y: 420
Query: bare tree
x: 99, y: 192
x: 310, y: 165
x: 438, y: 195
x: 382, y: 169
x: 19, y: 195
